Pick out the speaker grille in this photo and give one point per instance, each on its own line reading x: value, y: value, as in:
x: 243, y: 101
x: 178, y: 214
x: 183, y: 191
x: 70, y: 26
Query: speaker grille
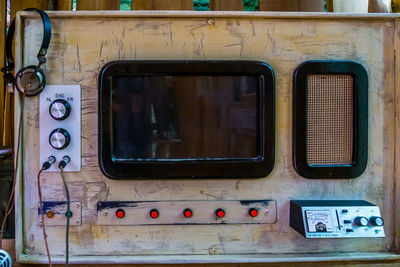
x: 329, y: 119
x: 5, y: 259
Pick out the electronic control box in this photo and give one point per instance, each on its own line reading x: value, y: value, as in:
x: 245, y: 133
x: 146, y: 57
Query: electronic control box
x: 336, y: 218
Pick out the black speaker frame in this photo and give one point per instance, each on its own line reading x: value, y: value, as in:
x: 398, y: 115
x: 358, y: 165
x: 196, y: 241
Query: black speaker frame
x: 360, y: 119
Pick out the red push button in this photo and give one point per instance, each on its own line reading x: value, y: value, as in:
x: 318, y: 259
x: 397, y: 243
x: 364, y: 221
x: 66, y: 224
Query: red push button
x: 220, y: 213
x: 154, y: 213
x: 253, y: 212
x: 187, y: 213
x: 120, y: 213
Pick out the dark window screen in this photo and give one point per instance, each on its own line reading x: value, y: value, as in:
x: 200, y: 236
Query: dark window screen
x: 184, y: 117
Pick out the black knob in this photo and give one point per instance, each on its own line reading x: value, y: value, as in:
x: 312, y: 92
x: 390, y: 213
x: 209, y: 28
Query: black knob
x: 59, y: 109
x: 59, y: 138
x: 361, y: 221
x: 376, y: 221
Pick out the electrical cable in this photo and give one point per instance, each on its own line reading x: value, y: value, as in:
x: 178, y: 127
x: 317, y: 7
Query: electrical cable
x: 41, y: 211
x: 10, y: 204
x: 65, y: 160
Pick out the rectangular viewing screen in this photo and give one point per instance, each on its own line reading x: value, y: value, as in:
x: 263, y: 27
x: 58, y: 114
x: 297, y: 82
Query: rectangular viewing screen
x: 186, y: 119
x: 161, y: 117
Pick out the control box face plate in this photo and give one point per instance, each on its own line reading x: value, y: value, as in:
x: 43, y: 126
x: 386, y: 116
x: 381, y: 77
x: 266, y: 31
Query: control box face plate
x: 335, y: 222
x: 55, y: 213
x: 332, y: 221
x: 172, y: 212
x: 72, y: 124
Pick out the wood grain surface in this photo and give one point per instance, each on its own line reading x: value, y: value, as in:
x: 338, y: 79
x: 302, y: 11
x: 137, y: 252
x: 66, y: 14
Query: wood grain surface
x: 83, y: 43
x: 97, y: 5
x: 162, y: 5
x: 225, y: 5
x: 292, y: 5
x: 3, y: 13
x: 64, y: 5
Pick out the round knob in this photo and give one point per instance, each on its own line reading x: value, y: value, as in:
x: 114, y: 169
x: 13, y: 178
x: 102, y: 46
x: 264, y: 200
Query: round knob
x: 361, y: 221
x: 60, y: 109
x: 59, y: 138
x: 376, y: 221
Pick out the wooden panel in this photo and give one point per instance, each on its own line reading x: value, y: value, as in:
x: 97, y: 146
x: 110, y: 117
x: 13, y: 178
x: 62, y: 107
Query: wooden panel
x: 292, y: 5
x: 380, y: 6
x: 83, y: 44
x: 64, y: 4
x: 3, y: 8
x: 21, y: 5
x: 162, y: 4
x: 396, y: 6
x: 97, y: 5
x: 397, y: 133
x: 9, y: 246
x: 354, y: 6
x: 225, y: 5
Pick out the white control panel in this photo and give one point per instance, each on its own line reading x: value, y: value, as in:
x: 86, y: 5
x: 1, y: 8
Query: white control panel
x: 343, y: 222
x: 60, y: 125
x: 329, y: 219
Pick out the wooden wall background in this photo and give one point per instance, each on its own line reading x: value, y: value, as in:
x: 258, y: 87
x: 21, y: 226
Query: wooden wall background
x: 264, y: 5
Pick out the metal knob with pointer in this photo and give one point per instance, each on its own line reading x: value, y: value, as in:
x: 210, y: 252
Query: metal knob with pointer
x: 361, y: 221
x: 376, y: 221
x: 59, y: 109
x: 59, y: 138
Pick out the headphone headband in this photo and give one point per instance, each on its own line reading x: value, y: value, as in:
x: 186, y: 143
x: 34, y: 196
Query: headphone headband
x: 43, y: 48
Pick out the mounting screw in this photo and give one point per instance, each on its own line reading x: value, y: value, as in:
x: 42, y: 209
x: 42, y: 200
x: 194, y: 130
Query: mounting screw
x: 78, y: 205
x: 266, y: 211
x: 105, y: 213
x: 40, y: 222
x: 77, y: 222
x: 211, y: 21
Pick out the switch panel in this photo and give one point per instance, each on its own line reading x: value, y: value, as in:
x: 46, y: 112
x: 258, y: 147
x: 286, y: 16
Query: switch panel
x: 186, y: 212
x: 55, y: 213
x: 60, y: 125
x: 336, y: 218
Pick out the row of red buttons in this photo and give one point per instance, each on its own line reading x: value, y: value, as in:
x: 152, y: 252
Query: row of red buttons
x: 220, y: 213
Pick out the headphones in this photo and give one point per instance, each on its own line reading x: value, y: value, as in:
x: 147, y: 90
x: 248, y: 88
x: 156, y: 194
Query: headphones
x: 30, y: 80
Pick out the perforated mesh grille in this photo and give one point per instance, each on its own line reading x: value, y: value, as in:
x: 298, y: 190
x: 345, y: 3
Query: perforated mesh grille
x: 329, y: 119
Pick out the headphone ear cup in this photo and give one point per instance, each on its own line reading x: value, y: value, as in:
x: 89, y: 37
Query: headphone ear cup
x: 30, y: 80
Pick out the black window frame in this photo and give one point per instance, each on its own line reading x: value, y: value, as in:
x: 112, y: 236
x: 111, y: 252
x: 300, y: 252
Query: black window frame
x: 360, y: 119
x: 190, y: 168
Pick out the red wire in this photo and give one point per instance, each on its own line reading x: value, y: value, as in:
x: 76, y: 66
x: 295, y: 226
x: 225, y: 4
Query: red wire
x: 42, y: 216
